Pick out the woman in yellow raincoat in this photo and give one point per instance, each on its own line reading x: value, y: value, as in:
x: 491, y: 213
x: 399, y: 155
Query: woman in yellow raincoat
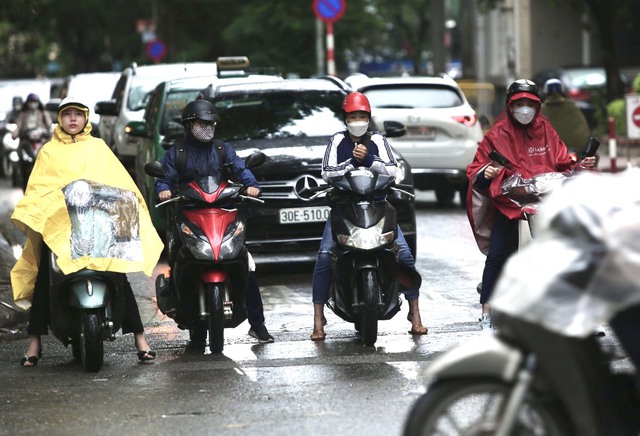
x: 73, y: 154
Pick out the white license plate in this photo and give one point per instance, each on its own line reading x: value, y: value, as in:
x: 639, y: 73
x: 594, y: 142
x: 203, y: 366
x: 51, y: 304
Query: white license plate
x: 427, y: 133
x: 295, y: 215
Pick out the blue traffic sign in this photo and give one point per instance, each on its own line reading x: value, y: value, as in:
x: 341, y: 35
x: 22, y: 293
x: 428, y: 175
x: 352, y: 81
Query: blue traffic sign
x: 329, y: 10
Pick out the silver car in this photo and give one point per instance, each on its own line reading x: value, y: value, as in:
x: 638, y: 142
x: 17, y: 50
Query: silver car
x: 442, y: 129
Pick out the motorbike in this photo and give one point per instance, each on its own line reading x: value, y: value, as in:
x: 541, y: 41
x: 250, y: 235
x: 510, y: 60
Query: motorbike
x: 30, y: 143
x: 545, y: 372
x: 87, y: 306
x: 366, y: 271
x: 10, y: 161
x: 207, y: 254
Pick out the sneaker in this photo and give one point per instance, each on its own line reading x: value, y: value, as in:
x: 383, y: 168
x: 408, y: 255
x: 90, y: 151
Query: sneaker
x: 261, y: 334
x: 485, y: 322
x: 599, y: 331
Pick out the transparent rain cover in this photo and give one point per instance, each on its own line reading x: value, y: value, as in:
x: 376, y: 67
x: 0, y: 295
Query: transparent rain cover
x: 104, y: 221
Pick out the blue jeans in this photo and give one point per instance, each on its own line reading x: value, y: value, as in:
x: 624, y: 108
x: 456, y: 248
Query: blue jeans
x: 322, y: 272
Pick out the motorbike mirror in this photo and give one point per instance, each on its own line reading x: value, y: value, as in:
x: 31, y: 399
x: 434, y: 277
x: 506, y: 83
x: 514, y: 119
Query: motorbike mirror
x: 154, y: 169
x: 497, y: 157
x: 255, y: 159
x: 590, y: 148
x: 394, y: 129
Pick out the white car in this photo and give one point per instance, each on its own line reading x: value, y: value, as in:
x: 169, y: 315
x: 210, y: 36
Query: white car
x: 442, y: 129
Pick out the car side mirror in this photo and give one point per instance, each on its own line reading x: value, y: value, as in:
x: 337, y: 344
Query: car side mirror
x: 394, y: 129
x: 106, y: 108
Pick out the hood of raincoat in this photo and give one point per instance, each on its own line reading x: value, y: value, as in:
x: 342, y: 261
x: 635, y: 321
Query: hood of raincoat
x: 42, y: 213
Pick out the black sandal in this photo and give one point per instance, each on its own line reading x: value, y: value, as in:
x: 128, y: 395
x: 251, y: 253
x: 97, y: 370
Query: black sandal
x: 33, y: 360
x: 145, y: 356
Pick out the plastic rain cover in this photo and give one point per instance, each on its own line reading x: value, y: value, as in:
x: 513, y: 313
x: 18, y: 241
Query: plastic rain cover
x: 584, y: 264
x: 104, y: 221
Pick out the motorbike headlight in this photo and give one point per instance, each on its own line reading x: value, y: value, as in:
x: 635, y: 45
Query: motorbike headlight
x: 233, y: 241
x: 366, y: 239
x: 401, y: 173
x: 199, y: 247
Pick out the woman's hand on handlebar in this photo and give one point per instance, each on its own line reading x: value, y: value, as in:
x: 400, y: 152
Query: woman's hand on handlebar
x: 164, y: 195
x: 252, y: 191
x: 490, y: 172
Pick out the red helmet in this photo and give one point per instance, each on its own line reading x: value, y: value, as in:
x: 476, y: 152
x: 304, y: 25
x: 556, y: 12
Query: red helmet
x: 356, y: 101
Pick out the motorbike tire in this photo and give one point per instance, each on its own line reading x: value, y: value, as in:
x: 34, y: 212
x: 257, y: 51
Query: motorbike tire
x: 368, y: 322
x: 473, y: 407
x: 91, y: 340
x: 215, y: 322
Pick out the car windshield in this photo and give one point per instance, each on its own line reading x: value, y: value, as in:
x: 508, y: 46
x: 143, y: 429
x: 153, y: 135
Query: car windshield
x: 278, y: 114
x: 412, y: 97
x: 139, y: 92
x: 173, y: 106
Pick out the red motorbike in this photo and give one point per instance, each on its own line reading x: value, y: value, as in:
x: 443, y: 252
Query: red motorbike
x: 207, y: 254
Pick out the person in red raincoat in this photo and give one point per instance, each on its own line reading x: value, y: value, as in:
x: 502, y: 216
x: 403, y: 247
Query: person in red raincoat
x: 532, y: 146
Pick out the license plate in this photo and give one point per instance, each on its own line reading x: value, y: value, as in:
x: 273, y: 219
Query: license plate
x: 295, y: 215
x: 427, y: 133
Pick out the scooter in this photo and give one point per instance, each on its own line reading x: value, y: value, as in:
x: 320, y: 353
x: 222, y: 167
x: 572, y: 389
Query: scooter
x: 526, y: 380
x: 207, y: 254
x: 366, y: 271
x: 10, y: 161
x: 87, y: 306
x: 30, y: 144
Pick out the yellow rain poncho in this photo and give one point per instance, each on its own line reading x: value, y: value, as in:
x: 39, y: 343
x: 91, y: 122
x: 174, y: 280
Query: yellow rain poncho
x: 42, y: 213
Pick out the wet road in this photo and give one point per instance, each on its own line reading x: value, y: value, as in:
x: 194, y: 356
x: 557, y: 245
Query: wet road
x: 291, y: 386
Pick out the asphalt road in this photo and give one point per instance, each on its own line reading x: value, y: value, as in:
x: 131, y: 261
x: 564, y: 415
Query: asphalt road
x: 293, y: 386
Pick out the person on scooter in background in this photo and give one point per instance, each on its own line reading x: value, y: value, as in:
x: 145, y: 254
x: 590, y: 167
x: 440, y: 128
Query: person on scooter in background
x: 199, y: 120
x: 33, y: 121
x: 72, y: 154
x: 532, y: 146
x: 565, y: 116
x: 33, y: 116
x: 16, y: 107
x: 356, y: 147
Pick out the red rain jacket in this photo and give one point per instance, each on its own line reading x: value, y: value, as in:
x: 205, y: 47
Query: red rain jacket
x: 531, y: 150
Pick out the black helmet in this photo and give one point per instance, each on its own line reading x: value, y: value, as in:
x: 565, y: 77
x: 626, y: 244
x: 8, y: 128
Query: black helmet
x: 523, y: 88
x: 199, y: 110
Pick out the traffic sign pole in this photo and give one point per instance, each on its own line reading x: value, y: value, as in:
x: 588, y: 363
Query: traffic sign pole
x: 329, y: 11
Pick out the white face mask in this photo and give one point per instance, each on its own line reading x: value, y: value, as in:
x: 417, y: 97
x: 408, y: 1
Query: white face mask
x: 524, y: 114
x: 203, y: 134
x: 358, y: 128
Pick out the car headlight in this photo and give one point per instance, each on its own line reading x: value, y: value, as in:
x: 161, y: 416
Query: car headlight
x: 366, y: 239
x: 233, y: 241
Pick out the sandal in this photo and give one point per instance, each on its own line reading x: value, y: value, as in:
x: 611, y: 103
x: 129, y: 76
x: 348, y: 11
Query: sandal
x: 33, y: 360
x: 145, y: 356
x: 416, y: 329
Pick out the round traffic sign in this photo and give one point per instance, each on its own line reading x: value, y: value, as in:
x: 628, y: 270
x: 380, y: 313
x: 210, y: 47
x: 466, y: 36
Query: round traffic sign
x: 329, y: 10
x: 156, y: 50
x: 635, y: 116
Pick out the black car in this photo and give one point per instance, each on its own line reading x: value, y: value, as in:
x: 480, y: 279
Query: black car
x: 291, y: 122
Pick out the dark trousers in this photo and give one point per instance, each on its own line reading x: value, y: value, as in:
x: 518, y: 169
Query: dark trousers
x: 39, y: 316
x: 503, y: 242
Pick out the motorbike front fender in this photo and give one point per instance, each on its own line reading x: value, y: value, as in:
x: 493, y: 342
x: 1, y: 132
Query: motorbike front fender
x: 481, y: 357
x: 88, y: 293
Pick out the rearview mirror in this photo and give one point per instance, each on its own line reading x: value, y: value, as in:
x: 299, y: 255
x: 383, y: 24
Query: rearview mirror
x: 394, y: 129
x: 154, y: 169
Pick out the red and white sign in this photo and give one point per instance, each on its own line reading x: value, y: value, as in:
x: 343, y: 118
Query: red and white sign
x: 633, y: 115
